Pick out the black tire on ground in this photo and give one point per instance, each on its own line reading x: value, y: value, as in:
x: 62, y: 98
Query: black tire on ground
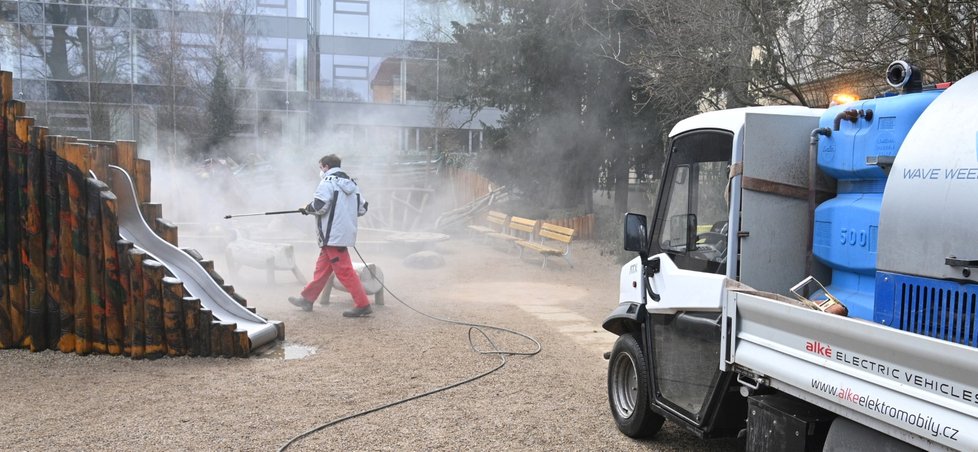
x: 628, y: 389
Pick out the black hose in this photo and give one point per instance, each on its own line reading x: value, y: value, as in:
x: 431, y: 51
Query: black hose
x: 473, y: 327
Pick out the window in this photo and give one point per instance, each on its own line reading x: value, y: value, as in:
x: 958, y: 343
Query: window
x: 109, y: 17
x: 387, y: 19
x: 67, y: 62
x: 111, y: 55
x: 421, y: 80
x: 352, y: 6
x: 351, y: 17
x: 692, y: 225
x: 344, y: 78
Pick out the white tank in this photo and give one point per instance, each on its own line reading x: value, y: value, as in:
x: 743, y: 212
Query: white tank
x: 930, y: 204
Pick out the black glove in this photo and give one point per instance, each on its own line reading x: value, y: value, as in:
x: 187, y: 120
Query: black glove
x: 302, y: 210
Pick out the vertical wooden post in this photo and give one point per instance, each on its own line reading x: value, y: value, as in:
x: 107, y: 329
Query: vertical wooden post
x: 34, y: 235
x: 125, y: 284
x: 79, y: 163
x: 227, y: 339
x: 216, y: 331
x: 209, y: 268
x: 152, y: 212
x: 17, y: 276
x: 191, y: 325
x: 167, y: 230
x: 96, y: 262
x: 153, y: 273
x: 173, y: 324
x: 6, y: 95
x: 229, y: 289
x: 142, y: 178
x: 114, y: 293
x: 126, y: 155
x: 100, y: 158
x: 242, y: 344
x: 52, y: 256
x: 204, y: 331
x: 137, y: 301
x: 66, y: 252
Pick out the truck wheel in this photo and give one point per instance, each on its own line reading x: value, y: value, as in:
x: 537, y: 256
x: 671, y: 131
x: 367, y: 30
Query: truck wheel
x: 628, y: 390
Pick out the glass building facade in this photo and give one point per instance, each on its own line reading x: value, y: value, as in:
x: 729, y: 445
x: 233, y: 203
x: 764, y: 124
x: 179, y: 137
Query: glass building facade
x: 365, y: 73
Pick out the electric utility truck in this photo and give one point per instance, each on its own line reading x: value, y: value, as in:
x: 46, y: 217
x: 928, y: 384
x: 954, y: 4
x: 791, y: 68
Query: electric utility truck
x: 769, y: 221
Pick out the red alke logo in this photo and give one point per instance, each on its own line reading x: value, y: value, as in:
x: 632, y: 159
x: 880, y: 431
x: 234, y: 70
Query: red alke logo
x: 819, y: 348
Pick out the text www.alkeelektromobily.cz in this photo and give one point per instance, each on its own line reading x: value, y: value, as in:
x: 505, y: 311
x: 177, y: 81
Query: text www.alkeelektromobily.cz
x: 918, y: 420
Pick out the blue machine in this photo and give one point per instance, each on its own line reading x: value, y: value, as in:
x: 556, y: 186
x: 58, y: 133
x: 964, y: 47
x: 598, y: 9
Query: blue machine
x: 865, y: 138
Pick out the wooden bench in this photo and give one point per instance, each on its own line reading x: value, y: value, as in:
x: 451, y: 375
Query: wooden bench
x: 496, y: 223
x: 554, y: 240
x: 517, y: 229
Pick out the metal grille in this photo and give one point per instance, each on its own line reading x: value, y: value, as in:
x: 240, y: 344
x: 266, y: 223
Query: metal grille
x: 939, y: 309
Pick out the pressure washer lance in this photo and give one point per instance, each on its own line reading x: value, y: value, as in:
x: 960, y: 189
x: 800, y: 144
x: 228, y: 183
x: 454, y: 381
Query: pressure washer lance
x: 280, y: 212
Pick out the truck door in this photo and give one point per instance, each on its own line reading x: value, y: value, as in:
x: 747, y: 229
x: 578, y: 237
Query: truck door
x: 691, y: 220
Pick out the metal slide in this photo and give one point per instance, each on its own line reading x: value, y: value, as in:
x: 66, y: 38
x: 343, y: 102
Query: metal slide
x: 197, y: 282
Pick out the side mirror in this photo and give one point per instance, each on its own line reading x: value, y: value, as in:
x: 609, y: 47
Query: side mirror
x: 636, y: 233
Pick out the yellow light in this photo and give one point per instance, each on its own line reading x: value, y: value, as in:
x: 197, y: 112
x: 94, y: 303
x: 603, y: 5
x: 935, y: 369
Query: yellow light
x: 843, y: 98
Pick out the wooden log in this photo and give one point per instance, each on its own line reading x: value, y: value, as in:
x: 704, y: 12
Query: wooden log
x: 173, y: 322
x: 229, y: 289
x: 152, y: 211
x: 216, y: 332
x: 167, y: 230
x: 153, y: 273
x: 142, y: 178
x: 33, y: 259
x: 114, y: 292
x: 17, y: 136
x: 79, y: 163
x: 203, y: 338
x: 242, y: 343
x: 193, y: 253
x: 126, y: 155
x: 66, y: 252
x: 96, y: 263
x: 103, y: 154
x: 6, y: 340
x: 123, y: 247
x: 227, y: 339
x: 191, y: 325
x: 51, y: 186
x: 137, y: 301
x: 6, y: 86
x: 209, y: 268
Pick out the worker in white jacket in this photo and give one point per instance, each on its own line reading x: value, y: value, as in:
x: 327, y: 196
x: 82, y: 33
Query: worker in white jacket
x: 337, y: 204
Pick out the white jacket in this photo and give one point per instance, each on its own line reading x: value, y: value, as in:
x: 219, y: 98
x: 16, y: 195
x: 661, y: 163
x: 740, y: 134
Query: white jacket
x: 337, y: 205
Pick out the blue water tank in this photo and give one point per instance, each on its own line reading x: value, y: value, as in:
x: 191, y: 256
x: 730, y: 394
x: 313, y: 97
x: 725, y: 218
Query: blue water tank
x: 866, y: 136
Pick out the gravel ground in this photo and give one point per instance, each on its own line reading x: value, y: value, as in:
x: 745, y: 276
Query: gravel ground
x: 555, y: 400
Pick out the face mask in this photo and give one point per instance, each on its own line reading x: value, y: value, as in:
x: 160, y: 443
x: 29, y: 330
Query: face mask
x: 321, y: 173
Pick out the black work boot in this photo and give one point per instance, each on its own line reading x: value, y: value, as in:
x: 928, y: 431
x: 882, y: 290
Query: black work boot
x: 358, y: 312
x: 306, y: 305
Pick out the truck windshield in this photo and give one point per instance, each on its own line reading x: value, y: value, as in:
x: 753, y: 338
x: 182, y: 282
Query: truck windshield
x: 691, y: 223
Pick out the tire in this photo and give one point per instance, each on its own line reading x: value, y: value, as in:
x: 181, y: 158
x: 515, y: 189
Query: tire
x: 628, y: 390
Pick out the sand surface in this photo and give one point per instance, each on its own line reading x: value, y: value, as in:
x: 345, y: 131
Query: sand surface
x: 555, y: 400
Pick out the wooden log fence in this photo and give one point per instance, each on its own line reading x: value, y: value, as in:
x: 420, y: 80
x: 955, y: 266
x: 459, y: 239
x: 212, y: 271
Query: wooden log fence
x: 68, y: 281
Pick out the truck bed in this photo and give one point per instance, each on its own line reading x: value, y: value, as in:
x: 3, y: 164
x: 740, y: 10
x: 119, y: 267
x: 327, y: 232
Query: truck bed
x: 915, y: 388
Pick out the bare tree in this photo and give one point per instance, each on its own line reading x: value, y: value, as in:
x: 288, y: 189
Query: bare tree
x: 702, y: 54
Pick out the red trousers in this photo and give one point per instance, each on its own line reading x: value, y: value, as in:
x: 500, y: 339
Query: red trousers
x: 333, y: 259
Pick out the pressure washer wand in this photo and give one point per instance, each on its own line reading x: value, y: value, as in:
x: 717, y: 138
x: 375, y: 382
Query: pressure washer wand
x: 280, y: 212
